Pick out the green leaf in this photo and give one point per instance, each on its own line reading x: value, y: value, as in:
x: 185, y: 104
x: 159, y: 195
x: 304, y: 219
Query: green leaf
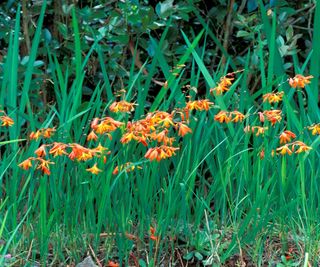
x: 188, y: 256
x: 47, y: 35
x: 198, y: 256
x: 11, y: 141
x: 164, y: 9
x: 243, y: 34
x: 63, y: 29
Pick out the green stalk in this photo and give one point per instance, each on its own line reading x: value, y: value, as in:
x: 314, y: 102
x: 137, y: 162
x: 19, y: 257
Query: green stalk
x: 313, y: 93
x: 43, y: 220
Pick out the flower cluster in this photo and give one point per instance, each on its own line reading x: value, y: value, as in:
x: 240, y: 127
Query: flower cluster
x: 155, y: 127
x: 103, y: 126
x: 273, y: 116
x: 273, y: 97
x: 41, y: 164
x: 199, y: 105
x: 161, y: 152
x: 286, y: 136
x: 223, y: 86
x: 161, y: 131
x: 299, y: 81
x: 315, y: 129
x: 258, y: 130
x: 295, y: 147
x: 73, y: 151
x: 225, y: 116
x: 128, y: 167
x: 122, y: 106
x: 44, y: 133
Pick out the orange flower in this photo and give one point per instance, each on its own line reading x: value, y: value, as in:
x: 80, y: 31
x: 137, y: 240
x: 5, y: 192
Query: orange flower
x: 6, y: 121
x: 302, y: 147
x: 223, y: 85
x: 41, y: 151
x: 284, y: 150
x: 152, y: 234
x: 141, y: 126
x: 222, y: 116
x: 183, y: 129
x: 152, y: 154
x: 248, y: 129
x: 159, y: 137
x: 142, y: 139
x: 101, y: 149
x: 127, y: 137
x: 273, y: 97
x: 273, y: 116
x: 261, y: 116
x: 44, y: 166
x: 92, y: 136
x: 121, y: 106
x: 262, y: 154
x: 285, y: 137
x: 299, y: 81
x: 315, y: 129
x: 162, y: 137
x: 159, y: 153
x: 260, y: 130
x: 115, y: 170
x: 106, y: 125
x: 238, y: 116
x: 127, y: 166
x: 200, y: 105
x: 81, y: 153
x: 58, y: 149
x: 94, y: 169
x: 26, y: 164
x: 112, y: 264
x: 167, y: 122
x: 94, y: 123
x: 45, y: 170
x: 35, y: 135
x: 47, y: 133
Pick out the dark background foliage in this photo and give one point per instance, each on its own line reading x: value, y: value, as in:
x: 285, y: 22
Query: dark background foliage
x: 125, y: 28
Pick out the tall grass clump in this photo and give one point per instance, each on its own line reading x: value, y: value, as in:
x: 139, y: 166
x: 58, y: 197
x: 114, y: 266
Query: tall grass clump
x: 139, y: 178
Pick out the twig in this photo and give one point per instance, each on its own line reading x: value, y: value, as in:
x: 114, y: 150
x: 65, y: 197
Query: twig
x: 25, y: 22
x: 29, y: 251
x: 138, y: 62
x: 243, y: 263
x: 94, y: 256
x: 134, y: 259
x: 214, y: 251
x: 227, y: 30
x: 180, y: 259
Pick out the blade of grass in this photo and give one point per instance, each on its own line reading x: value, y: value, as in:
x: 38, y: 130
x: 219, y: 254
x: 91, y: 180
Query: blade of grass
x: 269, y: 30
x: 313, y: 93
x: 212, y: 35
x: 29, y: 72
x: 183, y: 59
x: 77, y: 43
